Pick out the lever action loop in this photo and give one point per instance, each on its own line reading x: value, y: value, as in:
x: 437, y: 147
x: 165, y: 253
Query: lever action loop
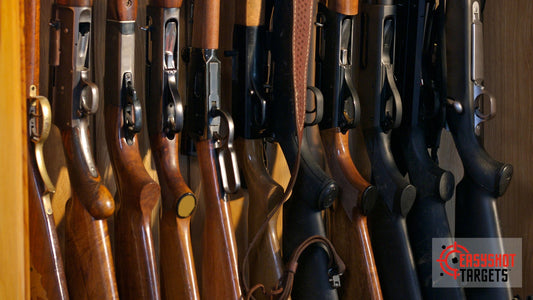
x: 396, y: 114
x: 132, y: 108
x: 40, y: 122
x: 352, y: 107
x: 224, y: 146
x: 89, y: 95
x: 174, y: 107
x: 318, y: 107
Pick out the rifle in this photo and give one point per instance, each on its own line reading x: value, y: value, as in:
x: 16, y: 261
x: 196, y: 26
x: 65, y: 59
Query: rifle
x: 485, y: 179
x: 381, y: 111
x: 138, y: 194
x: 165, y: 120
x: 420, y: 37
x: 313, y: 190
x: 250, y: 98
x: 88, y: 258
x: 347, y: 226
x: 45, y: 254
x: 212, y: 131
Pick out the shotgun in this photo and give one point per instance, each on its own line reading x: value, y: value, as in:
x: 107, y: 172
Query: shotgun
x: 137, y: 274
x: 251, y: 96
x: 420, y: 38
x: 48, y: 278
x: 212, y: 131
x: 381, y: 111
x: 313, y: 190
x: 88, y: 259
x: 485, y: 179
x: 347, y: 225
x: 165, y: 120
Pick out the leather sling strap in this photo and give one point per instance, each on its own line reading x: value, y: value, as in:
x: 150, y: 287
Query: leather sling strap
x: 302, y: 21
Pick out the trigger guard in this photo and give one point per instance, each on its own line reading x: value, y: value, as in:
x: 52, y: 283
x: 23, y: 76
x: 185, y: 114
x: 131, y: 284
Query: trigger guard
x: 319, y: 106
x: 92, y: 106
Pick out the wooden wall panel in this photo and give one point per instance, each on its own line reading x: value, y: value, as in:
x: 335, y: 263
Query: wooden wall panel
x: 14, y: 230
x: 509, y: 136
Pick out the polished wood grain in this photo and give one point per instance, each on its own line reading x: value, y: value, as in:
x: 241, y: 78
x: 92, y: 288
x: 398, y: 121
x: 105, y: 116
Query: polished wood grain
x: 122, y: 10
x: 47, y: 274
x: 166, y: 3
x: 138, y: 193
x: 206, y: 24
x: 345, y: 7
x: 349, y: 234
x: 88, y: 259
x: 75, y: 2
x: 178, y: 272
x: 508, y: 32
x: 220, y: 277
x: 250, y: 12
x: 265, y: 193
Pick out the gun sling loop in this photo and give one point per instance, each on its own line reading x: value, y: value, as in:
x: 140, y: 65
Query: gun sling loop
x: 302, y: 21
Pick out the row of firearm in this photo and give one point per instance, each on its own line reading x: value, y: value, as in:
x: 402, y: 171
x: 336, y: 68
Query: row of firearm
x: 400, y: 70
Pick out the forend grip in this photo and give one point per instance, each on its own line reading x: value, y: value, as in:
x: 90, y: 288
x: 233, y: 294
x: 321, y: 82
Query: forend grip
x: 206, y: 24
x: 84, y: 178
x: 250, y: 12
x: 166, y: 3
x: 345, y: 7
x: 122, y: 10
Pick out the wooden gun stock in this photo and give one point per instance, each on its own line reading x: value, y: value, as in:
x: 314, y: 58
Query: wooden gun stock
x: 347, y: 226
x: 266, y: 193
x: 47, y: 277
x: 88, y: 258
x: 89, y: 262
x: 165, y: 117
x: 137, y: 274
x: 220, y: 278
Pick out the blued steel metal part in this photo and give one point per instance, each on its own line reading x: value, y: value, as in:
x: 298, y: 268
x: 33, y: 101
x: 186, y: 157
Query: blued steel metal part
x: 427, y: 218
x: 485, y: 179
x: 163, y: 61
x: 251, y: 96
x: 342, y: 108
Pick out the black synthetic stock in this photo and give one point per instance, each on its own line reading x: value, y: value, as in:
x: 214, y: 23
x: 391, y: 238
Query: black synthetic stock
x: 313, y: 190
x: 427, y: 218
x: 302, y: 218
x: 485, y: 179
x: 388, y: 232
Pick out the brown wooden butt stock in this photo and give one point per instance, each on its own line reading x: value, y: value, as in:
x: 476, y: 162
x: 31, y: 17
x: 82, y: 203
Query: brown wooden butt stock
x: 265, y: 193
x: 88, y: 258
x: 138, y: 193
x: 121, y: 10
x: 250, y: 12
x: 166, y: 3
x: 206, y: 24
x: 350, y: 237
x: 178, y: 273
x: 220, y: 278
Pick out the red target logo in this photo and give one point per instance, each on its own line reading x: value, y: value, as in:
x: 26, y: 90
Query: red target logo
x: 449, y: 255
